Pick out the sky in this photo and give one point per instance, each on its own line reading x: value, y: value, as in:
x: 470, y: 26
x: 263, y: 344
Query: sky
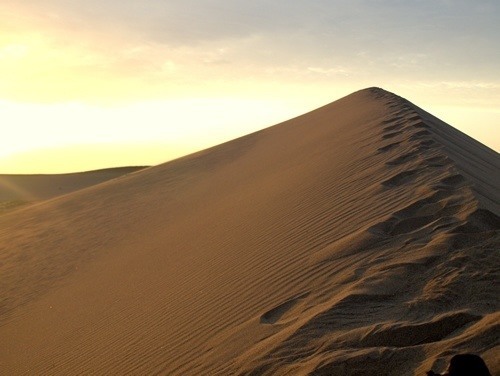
x: 87, y: 84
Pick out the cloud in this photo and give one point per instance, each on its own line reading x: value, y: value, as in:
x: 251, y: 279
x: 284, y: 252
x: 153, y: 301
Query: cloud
x: 193, y: 21
x: 101, y: 48
x: 329, y: 71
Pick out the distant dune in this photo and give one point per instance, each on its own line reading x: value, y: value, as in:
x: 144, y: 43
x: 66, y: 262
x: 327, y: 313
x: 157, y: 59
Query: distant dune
x: 361, y: 238
x: 17, y: 190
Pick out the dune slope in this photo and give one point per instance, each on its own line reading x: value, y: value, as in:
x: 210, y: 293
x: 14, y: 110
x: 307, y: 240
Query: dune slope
x: 19, y: 190
x: 358, y: 239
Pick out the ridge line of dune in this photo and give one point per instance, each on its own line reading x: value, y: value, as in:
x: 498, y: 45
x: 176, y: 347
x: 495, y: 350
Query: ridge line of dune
x: 406, y: 122
x: 344, y: 241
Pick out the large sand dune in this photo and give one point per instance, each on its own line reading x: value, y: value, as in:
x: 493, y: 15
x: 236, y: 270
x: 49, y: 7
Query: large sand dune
x: 20, y: 190
x: 359, y: 239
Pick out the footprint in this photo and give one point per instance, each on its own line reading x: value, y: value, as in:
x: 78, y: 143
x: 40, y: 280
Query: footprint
x: 392, y: 127
x: 349, y: 312
x: 420, y: 124
x: 419, y: 135
x: 275, y: 314
x: 413, y: 117
x: 415, y: 216
x: 481, y: 220
x: 409, y: 225
x: 402, y: 159
x: 391, y: 120
x: 452, y: 182
x: 428, y: 143
x: 412, y: 335
x: 391, y: 135
x: 438, y: 161
x: 386, y: 148
x: 401, y: 178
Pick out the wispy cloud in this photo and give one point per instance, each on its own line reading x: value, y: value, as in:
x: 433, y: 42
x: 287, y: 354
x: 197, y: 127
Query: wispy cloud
x: 110, y: 48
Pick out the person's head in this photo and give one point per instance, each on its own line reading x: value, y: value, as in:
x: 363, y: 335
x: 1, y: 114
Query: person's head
x: 467, y: 365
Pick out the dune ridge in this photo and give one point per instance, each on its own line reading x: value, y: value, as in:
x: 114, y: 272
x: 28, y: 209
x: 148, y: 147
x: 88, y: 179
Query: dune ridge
x: 358, y: 239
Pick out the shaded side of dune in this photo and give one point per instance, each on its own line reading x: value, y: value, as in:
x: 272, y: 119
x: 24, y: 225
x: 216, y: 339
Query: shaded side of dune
x: 422, y: 280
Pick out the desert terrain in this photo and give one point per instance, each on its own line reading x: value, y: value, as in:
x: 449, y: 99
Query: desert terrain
x: 361, y: 238
x: 21, y: 190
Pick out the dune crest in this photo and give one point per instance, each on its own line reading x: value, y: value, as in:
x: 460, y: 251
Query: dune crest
x: 358, y: 239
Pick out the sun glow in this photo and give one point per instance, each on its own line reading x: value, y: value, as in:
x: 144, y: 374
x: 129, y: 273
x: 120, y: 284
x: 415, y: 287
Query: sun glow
x: 137, y: 134
x: 83, y: 75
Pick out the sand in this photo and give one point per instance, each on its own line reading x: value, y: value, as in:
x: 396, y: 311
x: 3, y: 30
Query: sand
x: 22, y: 190
x: 358, y: 239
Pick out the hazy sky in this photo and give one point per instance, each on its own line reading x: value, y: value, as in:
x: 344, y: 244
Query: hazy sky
x: 95, y: 83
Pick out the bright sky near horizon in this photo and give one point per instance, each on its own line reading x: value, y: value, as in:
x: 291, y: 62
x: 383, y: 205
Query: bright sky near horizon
x: 88, y: 84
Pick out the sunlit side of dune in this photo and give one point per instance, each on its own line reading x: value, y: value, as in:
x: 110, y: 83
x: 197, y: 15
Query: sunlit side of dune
x: 20, y: 190
x: 360, y: 238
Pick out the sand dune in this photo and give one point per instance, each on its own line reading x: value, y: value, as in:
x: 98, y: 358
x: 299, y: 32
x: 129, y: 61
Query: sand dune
x: 19, y: 190
x: 358, y: 239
